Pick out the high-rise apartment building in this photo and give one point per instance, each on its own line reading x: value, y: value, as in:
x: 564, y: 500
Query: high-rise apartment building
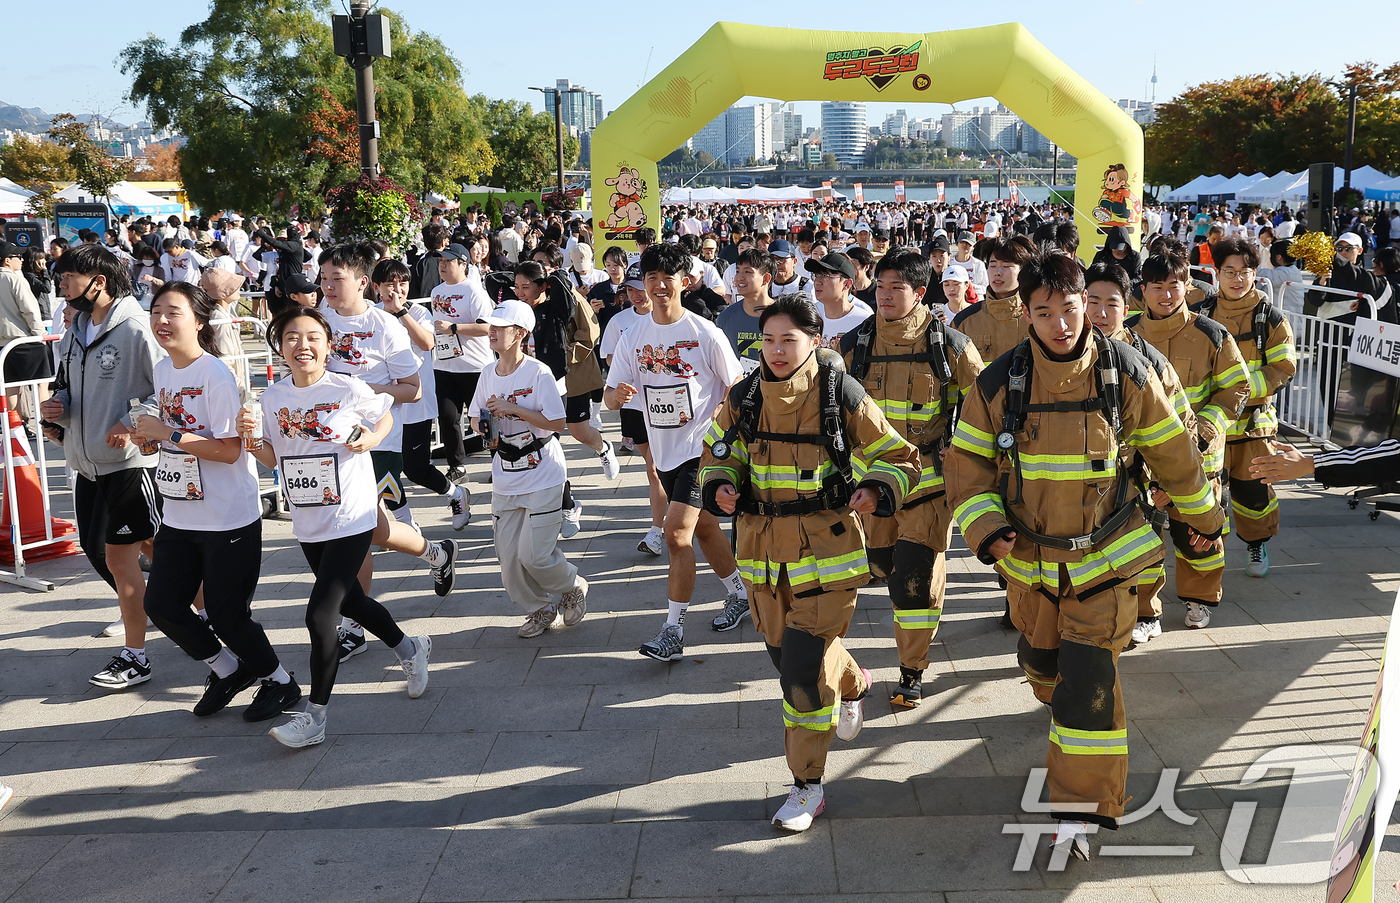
x: 845, y: 131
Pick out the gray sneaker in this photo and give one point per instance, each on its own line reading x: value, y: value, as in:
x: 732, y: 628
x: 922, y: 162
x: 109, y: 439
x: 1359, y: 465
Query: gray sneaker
x: 736, y: 609
x: 538, y: 623
x: 574, y: 605
x: 416, y: 669
x: 667, y: 647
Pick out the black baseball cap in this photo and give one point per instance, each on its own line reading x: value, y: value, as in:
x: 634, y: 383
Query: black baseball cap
x: 881, y: 234
x: 298, y: 284
x: 9, y: 249
x: 833, y: 262
x: 633, y: 276
x: 456, y: 251
x: 939, y: 244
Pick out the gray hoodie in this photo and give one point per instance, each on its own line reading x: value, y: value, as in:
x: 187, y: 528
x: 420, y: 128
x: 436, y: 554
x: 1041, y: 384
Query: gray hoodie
x: 96, y: 382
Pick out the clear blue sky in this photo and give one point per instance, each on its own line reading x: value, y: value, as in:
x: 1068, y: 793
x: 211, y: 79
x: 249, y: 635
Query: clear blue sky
x: 506, y: 47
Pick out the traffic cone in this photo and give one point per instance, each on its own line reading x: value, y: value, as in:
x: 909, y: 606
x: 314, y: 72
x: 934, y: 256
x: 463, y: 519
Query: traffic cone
x: 31, y: 505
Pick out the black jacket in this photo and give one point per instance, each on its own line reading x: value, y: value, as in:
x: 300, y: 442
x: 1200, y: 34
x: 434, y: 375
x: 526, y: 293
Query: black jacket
x: 1354, y: 277
x: 423, y: 277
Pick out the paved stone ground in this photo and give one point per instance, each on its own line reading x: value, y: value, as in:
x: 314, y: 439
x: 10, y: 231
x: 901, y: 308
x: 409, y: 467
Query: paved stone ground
x: 568, y: 767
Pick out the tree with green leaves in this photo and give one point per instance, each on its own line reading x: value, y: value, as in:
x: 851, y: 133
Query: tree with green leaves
x: 28, y: 159
x: 93, y: 168
x: 243, y: 88
x: 523, y: 143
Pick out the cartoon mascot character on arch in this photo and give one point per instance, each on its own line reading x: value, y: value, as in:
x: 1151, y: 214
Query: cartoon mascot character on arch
x: 626, y: 200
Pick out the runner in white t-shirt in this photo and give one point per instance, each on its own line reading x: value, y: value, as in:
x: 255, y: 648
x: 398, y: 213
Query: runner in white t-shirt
x: 681, y: 365
x: 372, y: 346
x: 211, y: 530
x: 391, y: 279
x: 519, y: 401
x: 632, y: 420
x: 316, y: 427
x: 832, y: 279
x: 461, y: 351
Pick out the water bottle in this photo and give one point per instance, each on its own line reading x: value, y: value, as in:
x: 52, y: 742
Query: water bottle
x: 254, y: 440
x: 146, y: 446
x: 489, y: 431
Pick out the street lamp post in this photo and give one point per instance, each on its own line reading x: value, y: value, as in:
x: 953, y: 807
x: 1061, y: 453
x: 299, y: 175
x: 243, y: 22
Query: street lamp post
x: 1350, y: 88
x: 360, y: 38
x: 559, y: 126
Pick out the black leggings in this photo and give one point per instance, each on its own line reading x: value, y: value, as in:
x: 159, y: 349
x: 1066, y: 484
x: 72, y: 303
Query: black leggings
x: 418, y: 458
x: 227, y: 563
x: 336, y: 564
x: 454, y: 392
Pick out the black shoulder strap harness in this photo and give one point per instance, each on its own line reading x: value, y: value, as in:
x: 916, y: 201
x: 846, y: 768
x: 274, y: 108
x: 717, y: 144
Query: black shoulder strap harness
x: 934, y: 355
x: 1259, y: 333
x: 839, y: 395
x: 1107, y: 380
x: 513, y: 453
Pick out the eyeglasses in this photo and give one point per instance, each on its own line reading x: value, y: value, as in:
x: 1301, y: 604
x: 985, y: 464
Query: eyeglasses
x: 1233, y: 273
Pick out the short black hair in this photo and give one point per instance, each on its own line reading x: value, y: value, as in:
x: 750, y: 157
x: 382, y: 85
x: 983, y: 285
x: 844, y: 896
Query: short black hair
x: 357, y: 257
x: 169, y: 244
x: 95, y: 260
x: 1235, y: 247
x: 664, y: 258
x: 1388, y: 259
x: 861, y: 256
x: 615, y: 254
x: 797, y: 307
x: 288, y: 314
x: 532, y: 270
x: 691, y: 243
x: 760, y: 260
x: 1060, y: 273
x: 1172, y: 264
x: 1280, y: 252
x: 390, y: 270
x: 551, y: 252
x: 1017, y: 249
x: 1110, y: 272
x: 911, y: 266
x: 645, y: 236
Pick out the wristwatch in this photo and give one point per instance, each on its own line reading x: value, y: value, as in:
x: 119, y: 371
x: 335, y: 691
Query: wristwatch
x: 400, y: 314
x: 176, y: 436
x: 454, y: 328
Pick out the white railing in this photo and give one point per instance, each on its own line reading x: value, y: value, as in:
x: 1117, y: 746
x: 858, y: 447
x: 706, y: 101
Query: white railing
x: 1321, y: 345
x: 17, y: 543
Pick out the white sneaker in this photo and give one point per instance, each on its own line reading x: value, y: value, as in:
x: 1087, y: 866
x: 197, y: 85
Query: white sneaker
x: 803, y: 804
x: 416, y: 668
x: 1145, y: 630
x: 1073, y: 839
x: 299, y: 732
x: 5, y: 794
x: 117, y: 628
x: 654, y: 543
x: 1197, y: 615
x: 852, y: 716
x: 573, y: 522
x: 461, y: 505
x: 574, y: 604
x: 609, y: 458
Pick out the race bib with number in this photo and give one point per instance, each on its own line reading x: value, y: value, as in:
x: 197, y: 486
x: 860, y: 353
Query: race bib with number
x: 177, y: 476
x: 446, y: 346
x: 312, y: 481
x: 668, y: 407
x: 749, y: 364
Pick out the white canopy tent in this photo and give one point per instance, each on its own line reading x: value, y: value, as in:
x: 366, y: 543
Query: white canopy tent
x: 126, y: 197
x: 1384, y: 191
x: 1267, y: 191
x: 12, y: 203
x: 1195, y: 188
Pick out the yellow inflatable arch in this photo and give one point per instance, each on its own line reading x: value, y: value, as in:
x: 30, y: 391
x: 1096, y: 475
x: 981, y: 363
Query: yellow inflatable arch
x: 732, y: 61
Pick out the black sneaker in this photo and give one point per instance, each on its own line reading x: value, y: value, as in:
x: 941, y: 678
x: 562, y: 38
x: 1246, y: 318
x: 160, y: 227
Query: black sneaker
x: 350, y: 643
x: 910, y: 690
x: 219, y: 691
x: 121, y: 672
x: 446, y: 575
x: 456, y: 474
x: 272, y: 699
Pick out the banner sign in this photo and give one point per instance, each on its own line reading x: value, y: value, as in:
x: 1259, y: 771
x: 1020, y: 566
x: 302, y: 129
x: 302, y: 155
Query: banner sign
x: 899, y: 192
x: 860, y: 192
x: 1376, y: 346
x: 1015, y: 191
x: 974, y: 188
x: 942, y: 197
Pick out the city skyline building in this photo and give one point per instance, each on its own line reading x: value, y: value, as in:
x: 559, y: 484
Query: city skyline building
x: 845, y: 131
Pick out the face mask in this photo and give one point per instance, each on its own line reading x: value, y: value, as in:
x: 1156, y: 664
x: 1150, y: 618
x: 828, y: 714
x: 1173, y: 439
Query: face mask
x: 82, y: 303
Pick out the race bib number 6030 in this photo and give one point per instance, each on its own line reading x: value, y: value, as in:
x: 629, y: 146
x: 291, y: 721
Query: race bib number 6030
x: 669, y: 407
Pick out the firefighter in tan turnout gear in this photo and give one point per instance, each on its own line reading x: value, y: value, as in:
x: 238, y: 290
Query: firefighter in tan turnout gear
x: 1039, y: 481
x: 917, y: 370
x: 1206, y: 358
x: 799, y: 450
x: 1265, y: 340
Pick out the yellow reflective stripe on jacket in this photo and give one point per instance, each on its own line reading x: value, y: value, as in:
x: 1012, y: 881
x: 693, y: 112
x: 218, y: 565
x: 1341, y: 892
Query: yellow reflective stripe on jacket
x: 1257, y: 386
x: 1265, y: 419
x: 1066, y: 468
x: 1199, y: 502
x: 908, y: 410
x: 1280, y: 352
x: 731, y: 472
x: 820, y: 720
x: 917, y: 618
x: 738, y: 449
x: 901, y: 479
x: 970, y: 439
x: 1250, y: 513
x: 1118, y: 553
x: 806, y: 570
x: 1073, y: 742
x: 929, y: 478
x: 977, y: 506
x: 785, y: 476
x: 1039, y: 680
x: 1181, y: 404
x: 1151, y: 575
x: 1031, y: 573
x: 1167, y: 428
x: 1216, y: 416
x: 1212, y: 562
x: 1214, y: 462
x: 888, y: 441
x: 1198, y: 394
x: 1234, y: 376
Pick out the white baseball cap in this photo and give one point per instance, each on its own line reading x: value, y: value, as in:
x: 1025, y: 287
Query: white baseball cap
x: 1350, y: 238
x: 954, y: 272
x: 512, y: 312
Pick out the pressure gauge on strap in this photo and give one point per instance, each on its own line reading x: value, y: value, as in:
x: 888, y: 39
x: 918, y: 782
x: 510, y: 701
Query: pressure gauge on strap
x: 1006, y: 440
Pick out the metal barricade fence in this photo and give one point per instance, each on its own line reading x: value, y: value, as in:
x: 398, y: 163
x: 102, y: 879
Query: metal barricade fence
x: 1321, y: 346
x: 18, y: 576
